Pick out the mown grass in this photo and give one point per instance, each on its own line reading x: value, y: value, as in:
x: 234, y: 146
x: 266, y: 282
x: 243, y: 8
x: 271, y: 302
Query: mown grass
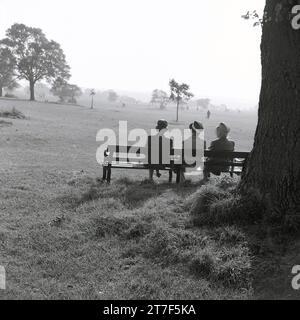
x: 125, y: 240
x: 104, y: 243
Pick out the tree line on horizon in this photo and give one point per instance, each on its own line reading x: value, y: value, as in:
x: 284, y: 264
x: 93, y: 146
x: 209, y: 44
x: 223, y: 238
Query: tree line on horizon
x: 27, y: 54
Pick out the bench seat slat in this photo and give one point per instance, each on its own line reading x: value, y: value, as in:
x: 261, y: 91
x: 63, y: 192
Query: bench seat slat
x: 128, y: 157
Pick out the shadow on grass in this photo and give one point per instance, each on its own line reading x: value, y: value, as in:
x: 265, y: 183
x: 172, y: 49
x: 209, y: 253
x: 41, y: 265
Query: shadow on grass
x: 224, y: 240
x: 262, y: 241
x: 132, y: 194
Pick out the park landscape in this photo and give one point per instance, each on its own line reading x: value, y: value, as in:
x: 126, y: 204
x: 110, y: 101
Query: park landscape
x: 67, y: 234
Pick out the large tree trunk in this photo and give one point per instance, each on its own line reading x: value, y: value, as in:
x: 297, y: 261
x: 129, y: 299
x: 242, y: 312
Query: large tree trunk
x: 31, y: 87
x: 274, y: 164
x: 1, y: 91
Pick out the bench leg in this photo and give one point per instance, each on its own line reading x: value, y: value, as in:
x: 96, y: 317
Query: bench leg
x: 206, y: 174
x: 178, y: 175
x: 151, y: 173
x: 108, y: 178
x: 231, y: 171
x: 170, y: 176
x: 104, y: 173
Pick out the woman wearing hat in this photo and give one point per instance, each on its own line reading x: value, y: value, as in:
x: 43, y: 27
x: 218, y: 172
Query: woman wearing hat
x: 221, y: 144
x: 193, y: 148
x: 162, y: 125
x: 156, y: 143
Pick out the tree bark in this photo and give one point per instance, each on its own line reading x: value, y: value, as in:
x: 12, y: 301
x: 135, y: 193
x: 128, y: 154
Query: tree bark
x: 1, y: 91
x: 31, y: 87
x: 274, y: 164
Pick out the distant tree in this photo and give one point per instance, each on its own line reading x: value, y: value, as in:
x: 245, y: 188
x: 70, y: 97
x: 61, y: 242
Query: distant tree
x: 75, y: 92
x: 41, y: 90
x: 7, y: 70
x: 128, y: 100
x: 92, y: 94
x: 65, y: 91
x: 203, y: 103
x: 11, y: 87
x: 112, y: 96
x: 224, y: 107
x: 59, y: 89
x: 179, y: 93
x: 37, y: 58
x: 159, y: 97
x: 258, y: 21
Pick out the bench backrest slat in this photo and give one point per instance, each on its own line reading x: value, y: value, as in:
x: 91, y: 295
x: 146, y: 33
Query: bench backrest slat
x: 127, y: 153
x: 226, y: 154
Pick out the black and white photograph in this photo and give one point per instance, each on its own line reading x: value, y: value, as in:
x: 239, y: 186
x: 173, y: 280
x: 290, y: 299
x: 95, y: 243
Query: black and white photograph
x: 149, y: 151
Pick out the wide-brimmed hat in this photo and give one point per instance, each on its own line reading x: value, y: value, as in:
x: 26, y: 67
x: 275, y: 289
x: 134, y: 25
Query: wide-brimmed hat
x: 223, y: 129
x: 196, y: 126
x: 162, y: 124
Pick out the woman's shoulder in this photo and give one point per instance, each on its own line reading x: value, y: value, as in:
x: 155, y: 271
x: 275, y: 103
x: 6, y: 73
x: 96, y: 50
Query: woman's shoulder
x: 222, y: 144
x: 231, y: 142
x: 214, y: 143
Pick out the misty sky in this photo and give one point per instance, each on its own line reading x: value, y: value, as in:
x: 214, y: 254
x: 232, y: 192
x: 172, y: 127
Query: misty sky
x: 138, y: 45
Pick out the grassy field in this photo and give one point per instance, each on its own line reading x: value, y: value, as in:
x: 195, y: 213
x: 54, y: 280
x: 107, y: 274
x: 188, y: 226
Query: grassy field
x: 65, y: 235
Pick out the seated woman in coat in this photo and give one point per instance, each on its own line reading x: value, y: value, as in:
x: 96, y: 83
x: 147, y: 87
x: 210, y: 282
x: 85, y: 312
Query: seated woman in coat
x: 221, y: 144
x: 193, y: 149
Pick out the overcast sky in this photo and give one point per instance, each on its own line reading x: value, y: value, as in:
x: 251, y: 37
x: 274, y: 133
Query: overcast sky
x: 138, y: 45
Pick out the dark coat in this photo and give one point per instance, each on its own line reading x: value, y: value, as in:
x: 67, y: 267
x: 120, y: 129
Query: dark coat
x: 160, y: 148
x: 222, y: 144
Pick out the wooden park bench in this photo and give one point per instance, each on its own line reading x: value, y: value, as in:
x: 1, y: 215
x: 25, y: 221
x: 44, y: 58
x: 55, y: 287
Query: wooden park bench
x: 119, y: 157
x: 234, y: 163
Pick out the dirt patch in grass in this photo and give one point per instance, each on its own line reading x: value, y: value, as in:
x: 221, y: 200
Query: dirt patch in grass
x: 12, y: 114
x: 5, y: 123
